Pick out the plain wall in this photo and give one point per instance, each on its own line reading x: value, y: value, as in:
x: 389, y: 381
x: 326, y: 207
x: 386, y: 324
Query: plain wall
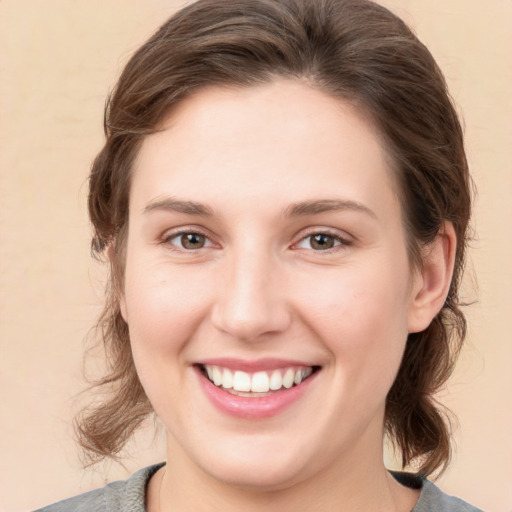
x: 58, y: 59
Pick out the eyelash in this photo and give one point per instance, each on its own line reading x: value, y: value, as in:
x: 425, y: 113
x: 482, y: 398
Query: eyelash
x: 339, y: 241
x: 167, y: 239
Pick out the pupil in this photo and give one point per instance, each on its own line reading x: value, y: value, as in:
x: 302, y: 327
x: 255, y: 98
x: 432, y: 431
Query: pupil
x: 322, y: 242
x: 192, y: 241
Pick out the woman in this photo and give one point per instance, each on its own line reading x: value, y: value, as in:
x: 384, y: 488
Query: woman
x: 284, y: 200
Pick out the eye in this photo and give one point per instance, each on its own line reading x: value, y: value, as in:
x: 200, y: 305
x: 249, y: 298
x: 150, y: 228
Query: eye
x: 188, y: 241
x: 321, y: 242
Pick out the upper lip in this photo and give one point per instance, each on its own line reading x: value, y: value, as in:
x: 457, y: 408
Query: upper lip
x: 254, y: 365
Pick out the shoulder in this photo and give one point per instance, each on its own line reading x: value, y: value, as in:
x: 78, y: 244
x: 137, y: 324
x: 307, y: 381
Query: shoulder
x: 123, y: 496
x: 432, y: 499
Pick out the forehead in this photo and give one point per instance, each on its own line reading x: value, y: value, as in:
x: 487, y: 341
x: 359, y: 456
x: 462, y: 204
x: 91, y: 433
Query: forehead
x: 283, y: 140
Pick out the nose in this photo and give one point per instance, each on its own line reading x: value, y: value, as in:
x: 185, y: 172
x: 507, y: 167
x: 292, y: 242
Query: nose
x: 251, y: 297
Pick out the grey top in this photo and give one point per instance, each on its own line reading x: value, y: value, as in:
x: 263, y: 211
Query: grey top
x: 129, y: 496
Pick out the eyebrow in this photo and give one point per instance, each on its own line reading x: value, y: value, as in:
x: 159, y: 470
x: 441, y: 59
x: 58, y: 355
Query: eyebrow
x: 326, y: 205
x: 176, y: 205
x: 302, y: 208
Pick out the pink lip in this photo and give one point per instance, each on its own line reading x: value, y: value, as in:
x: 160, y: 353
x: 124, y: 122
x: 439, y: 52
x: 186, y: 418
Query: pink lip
x: 253, y: 408
x: 253, y: 366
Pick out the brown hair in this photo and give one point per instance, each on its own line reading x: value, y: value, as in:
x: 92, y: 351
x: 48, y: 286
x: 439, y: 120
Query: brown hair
x: 355, y: 50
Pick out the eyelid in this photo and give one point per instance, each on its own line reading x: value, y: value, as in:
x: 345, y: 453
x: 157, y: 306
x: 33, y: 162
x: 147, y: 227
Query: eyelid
x: 343, y: 239
x: 169, y: 235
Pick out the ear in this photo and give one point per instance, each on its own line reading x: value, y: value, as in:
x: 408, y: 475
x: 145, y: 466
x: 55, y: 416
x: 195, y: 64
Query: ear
x: 432, y: 280
x: 111, y: 252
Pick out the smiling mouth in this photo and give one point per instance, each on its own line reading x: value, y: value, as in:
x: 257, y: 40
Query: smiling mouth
x: 256, y: 384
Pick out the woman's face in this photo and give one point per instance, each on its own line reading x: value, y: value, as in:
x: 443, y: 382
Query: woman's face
x: 266, y: 247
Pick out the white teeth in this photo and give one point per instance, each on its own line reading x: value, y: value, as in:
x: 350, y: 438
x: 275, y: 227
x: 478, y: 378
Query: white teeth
x: 288, y: 378
x: 302, y: 374
x: 227, y: 379
x: 259, y: 382
x: 276, y: 380
x: 241, y: 381
x: 217, y: 376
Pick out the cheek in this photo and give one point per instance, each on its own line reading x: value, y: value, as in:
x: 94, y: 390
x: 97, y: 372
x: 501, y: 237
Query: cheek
x: 355, y: 299
x: 361, y: 317
x: 164, y: 305
x: 165, y: 309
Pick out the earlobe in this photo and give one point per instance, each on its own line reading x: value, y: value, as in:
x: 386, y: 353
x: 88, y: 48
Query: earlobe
x: 432, y: 281
x: 111, y: 252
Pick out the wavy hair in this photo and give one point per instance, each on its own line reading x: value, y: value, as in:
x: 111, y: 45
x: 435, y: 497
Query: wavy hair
x: 354, y: 50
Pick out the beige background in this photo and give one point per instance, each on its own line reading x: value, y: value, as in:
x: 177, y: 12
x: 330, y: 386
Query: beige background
x: 58, y: 58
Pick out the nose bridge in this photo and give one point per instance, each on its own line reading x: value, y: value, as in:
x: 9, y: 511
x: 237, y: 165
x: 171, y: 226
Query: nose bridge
x: 250, y: 300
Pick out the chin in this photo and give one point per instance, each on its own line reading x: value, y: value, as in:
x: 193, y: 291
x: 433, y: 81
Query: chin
x: 257, y: 467
x: 256, y: 477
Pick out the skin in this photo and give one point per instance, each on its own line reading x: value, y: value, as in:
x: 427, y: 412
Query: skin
x: 259, y: 288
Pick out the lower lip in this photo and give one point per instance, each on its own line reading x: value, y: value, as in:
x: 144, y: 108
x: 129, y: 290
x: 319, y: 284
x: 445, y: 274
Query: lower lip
x: 253, y: 408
